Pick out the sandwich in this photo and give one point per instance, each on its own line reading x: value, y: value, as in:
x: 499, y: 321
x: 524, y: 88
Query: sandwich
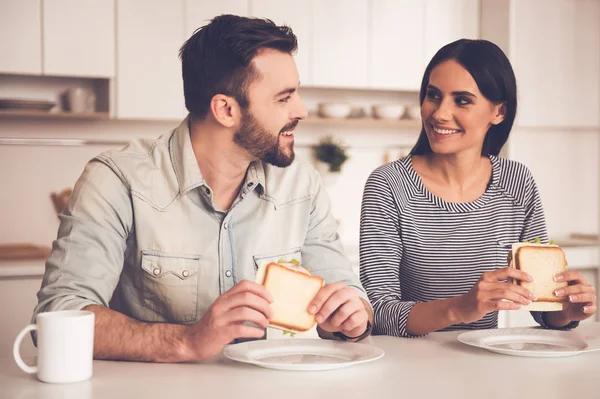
x: 542, y: 262
x: 293, y: 288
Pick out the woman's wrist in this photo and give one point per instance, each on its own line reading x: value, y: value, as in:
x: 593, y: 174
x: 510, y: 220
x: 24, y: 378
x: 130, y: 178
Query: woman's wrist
x: 454, y: 310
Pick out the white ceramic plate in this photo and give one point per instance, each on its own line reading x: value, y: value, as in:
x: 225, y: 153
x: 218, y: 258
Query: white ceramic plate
x: 302, y: 354
x: 529, y: 342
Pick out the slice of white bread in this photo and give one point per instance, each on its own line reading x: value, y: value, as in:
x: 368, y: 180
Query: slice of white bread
x: 542, y: 262
x: 292, y: 292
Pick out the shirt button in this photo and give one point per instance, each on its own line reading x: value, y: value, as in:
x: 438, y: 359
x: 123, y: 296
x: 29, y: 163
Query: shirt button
x: 225, y: 226
x: 207, y: 191
x: 228, y: 273
x: 156, y: 271
x: 185, y: 273
x: 250, y: 184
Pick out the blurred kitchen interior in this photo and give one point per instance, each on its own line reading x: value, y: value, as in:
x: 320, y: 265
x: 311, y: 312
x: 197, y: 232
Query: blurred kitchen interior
x: 97, y: 73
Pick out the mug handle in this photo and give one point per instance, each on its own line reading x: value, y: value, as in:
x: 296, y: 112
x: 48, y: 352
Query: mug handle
x: 16, y: 350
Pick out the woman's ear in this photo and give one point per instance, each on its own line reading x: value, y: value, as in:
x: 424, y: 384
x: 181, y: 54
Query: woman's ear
x: 500, y: 113
x: 225, y: 110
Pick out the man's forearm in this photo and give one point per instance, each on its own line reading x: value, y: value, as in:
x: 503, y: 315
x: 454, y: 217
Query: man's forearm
x: 119, y: 337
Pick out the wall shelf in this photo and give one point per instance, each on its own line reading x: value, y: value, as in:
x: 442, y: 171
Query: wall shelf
x: 27, y: 114
x: 363, y: 122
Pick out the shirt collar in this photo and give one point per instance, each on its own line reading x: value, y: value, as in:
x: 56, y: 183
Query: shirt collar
x: 187, y: 169
x: 183, y: 158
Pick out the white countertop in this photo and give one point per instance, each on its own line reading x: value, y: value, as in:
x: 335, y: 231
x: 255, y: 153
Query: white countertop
x: 26, y: 268
x: 436, y: 366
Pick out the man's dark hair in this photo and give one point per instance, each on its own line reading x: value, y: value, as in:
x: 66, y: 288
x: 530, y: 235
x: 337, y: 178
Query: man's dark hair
x: 217, y: 58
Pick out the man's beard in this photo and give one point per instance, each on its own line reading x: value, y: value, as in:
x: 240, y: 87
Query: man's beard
x: 260, y: 143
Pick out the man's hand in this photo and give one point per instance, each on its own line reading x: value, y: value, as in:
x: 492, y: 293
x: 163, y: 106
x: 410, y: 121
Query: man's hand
x: 339, y: 308
x: 224, y: 321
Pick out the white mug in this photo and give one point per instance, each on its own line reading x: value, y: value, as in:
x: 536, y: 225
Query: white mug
x: 65, y: 342
x: 80, y: 100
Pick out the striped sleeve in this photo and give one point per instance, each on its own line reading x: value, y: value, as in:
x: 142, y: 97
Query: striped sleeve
x: 535, y: 222
x: 381, y: 255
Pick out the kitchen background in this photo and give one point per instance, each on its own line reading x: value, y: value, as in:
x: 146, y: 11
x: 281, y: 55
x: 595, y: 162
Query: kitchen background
x: 106, y: 71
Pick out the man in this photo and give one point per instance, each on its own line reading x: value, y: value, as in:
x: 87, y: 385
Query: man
x: 162, y: 239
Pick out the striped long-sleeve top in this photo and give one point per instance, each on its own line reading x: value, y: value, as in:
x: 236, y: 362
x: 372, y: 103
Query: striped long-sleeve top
x: 416, y: 247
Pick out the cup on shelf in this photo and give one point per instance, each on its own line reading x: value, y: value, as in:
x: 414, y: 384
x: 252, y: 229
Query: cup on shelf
x: 80, y: 100
x: 357, y: 111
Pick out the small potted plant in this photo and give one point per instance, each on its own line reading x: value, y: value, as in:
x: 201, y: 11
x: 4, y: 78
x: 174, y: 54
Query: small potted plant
x: 331, y: 153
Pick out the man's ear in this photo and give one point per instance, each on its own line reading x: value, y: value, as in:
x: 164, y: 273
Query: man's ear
x: 500, y: 111
x: 225, y: 110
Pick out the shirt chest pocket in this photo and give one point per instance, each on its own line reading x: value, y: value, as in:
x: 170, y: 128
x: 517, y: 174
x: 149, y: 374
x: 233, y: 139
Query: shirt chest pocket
x: 292, y: 255
x: 170, y: 285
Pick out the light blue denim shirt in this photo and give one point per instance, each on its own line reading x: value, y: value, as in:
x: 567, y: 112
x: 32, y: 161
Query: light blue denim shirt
x: 142, y: 234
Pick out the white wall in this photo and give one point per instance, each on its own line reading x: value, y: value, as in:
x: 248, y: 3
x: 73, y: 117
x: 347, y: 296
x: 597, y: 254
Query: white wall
x: 565, y: 165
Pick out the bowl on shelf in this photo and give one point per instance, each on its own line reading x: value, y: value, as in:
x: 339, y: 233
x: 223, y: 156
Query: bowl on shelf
x: 413, y: 112
x: 388, y: 111
x: 334, y: 110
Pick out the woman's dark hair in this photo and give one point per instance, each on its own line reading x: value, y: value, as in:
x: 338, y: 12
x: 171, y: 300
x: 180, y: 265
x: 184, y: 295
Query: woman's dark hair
x: 494, y: 76
x: 217, y: 58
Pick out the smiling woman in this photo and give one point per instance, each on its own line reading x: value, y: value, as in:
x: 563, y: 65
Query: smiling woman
x: 436, y: 226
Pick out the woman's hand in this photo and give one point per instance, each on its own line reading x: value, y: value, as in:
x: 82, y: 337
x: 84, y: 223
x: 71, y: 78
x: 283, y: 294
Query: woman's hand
x: 492, y: 293
x: 581, y: 299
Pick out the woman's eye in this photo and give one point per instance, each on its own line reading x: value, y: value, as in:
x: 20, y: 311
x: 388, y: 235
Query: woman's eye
x: 462, y: 101
x: 432, y: 95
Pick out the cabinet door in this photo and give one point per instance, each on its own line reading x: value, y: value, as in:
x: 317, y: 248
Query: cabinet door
x: 396, y: 44
x: 447, y: 21
x: 199, y: 12
x: 340, y: 43
x: 79, y: 37
x: 296, y: 15
x: 558, y: 69
x: 149, y: 35
x: 20, y: 28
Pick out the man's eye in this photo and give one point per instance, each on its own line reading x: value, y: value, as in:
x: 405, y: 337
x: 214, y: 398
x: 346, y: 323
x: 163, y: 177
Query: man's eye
x: 285, y: 99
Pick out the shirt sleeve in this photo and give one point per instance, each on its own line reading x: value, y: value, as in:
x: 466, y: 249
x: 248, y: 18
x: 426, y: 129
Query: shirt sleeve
x: 380, y: 257
x: 322, y: 251
x: 535, y: 222
x: 87, y: 256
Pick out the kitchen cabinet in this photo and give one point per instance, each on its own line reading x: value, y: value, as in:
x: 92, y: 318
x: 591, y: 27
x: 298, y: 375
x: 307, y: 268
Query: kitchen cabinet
x: 558, y: 69
x: 20, y: 292
x: 149, y: 36
x: 199, y: 13
x: 396, y: 44
x: 21, y: 44
x: 340, y: 43
x: 78, y: 38
x: 385, y: 44
x: 447, y: 21
x: 296, y: 15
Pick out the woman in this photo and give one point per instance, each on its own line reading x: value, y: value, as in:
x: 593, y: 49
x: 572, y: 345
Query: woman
x: 437, y: 225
